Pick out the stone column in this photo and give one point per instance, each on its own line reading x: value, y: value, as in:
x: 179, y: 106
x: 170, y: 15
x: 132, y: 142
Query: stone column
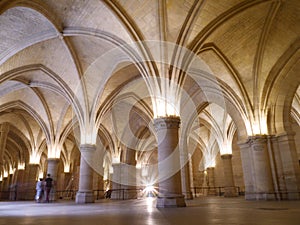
x: 290, y: 165
x: 59, y: 186
x: 68, y: 181
x: 61, y: 182
x: 85, y: 192
x: 95, y: 180
x: 31, y: 180
x: 98, y: 185
x: 4, y: 128
x: 211, y: 180
x: 191, y: 175
x: 247, y: 163
x: 229, y: 187
x: 101, y: 185
x: 4, y: 188
x: 185, y: 170
x: 53, y: 168
x: 12, y: 188
x: 129, y: 175
x: 20, y: 184
x: 185, y: 174
x: 264, y: 188
x: 276, y: 167
x: 170, y: 192
x: 4, y: 184
x: 116, y: 181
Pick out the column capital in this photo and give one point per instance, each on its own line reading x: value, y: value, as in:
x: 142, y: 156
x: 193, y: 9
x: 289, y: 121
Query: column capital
x: 167, y: 122
x: 87, y: 147
x: 257, y: 137
x: 226, y: 156
x: 210, y: 168
x: 33, y: 164
x: 54, y: 160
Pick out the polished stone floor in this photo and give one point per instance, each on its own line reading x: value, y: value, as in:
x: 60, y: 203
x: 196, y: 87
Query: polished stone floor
x: 209, y: 210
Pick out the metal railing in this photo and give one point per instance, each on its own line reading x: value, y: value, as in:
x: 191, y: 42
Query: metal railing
x: 29, y: 194
x: 216, y: 191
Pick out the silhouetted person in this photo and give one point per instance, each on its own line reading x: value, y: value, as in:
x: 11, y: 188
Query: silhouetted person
x: 48, y: 186
x: 107, y: 194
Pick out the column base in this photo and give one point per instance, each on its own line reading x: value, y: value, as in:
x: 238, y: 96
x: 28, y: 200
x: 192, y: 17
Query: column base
x: 170, y: 201
x: 85, y: 197
x: 230, y: 192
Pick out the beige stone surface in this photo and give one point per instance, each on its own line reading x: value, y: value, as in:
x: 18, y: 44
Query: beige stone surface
x: 76, y: 72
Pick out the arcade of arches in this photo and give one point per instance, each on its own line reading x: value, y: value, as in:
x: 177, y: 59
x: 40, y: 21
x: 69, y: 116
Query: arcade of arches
x: 182, y: 95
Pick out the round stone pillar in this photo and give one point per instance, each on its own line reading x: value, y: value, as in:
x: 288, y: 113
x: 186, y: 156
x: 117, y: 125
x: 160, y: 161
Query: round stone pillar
x: 20, y: 184
x: 229, y: 187
x: 5, y: 181
x: 4, y: 188
x: 53, y: 168
x: 4, y: 129
x: 170, y: 192
x: 247, y: 164
x: 68, y: 181
x: 31, y: 181
x: 117, y: 192
x: 264, y: 188
x: 129, y: 175
x: 185, y: 175
x: 211, y: 180
x: 290, y: 171
x: 85, y: 191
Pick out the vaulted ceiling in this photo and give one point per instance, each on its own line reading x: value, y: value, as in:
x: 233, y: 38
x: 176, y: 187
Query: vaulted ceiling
x: 251, y: 47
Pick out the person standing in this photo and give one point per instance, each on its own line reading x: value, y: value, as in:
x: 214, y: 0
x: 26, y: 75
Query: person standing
x: 48, y: 186
x: 39, y: 190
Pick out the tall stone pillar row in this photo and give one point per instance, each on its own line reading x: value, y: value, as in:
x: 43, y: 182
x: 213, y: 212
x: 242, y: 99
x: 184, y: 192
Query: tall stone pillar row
x: 129, y: 175
x: 229, y: 186
x: 170, y: 187
x: 185, y: 173
x: 85, y: 192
